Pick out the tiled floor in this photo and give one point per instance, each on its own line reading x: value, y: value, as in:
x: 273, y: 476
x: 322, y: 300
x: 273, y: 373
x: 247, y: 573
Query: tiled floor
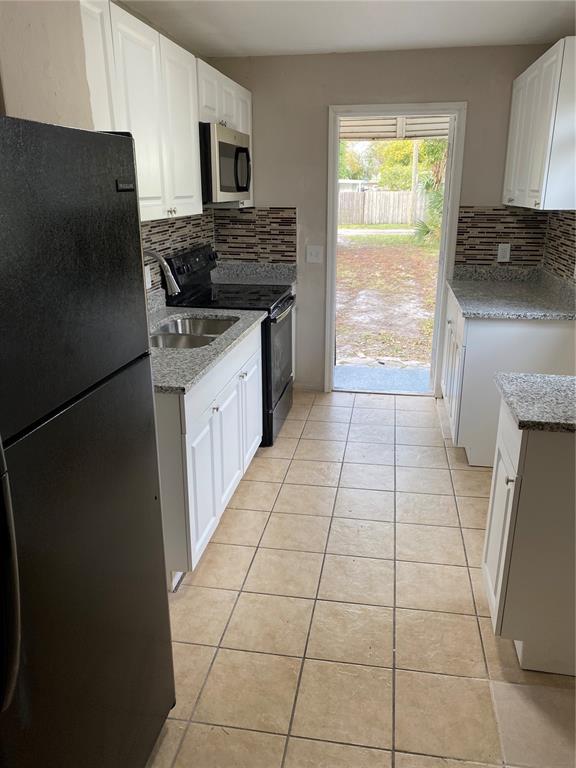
x: 337, y: 619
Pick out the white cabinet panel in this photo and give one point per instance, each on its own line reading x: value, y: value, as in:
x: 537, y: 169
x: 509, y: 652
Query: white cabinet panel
x: 180, y: 136
x: 251, y: 381
x: 228, y: 448
x: 139, y: 105
x: 99, y: 54
x: 208, y: 82
x: 201, y: 484
x: 227, y: 103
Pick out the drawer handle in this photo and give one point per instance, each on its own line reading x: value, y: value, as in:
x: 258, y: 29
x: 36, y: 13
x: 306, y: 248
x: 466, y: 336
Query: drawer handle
x: 510, y: 480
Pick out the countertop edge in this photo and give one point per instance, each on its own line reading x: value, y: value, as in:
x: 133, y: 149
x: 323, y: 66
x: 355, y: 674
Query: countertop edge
x: 529, y: 425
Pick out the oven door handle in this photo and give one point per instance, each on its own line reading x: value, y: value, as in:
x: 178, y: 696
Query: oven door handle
x: 282, y: 315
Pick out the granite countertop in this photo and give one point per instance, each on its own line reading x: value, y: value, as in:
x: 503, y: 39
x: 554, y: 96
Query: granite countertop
x: 540, y: 401
x: 254, y: 273
x: 541, y: 297
x: 176, y: 371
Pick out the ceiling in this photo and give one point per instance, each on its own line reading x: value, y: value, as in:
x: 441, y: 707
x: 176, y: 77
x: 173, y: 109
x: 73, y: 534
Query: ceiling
x: 272, y: 27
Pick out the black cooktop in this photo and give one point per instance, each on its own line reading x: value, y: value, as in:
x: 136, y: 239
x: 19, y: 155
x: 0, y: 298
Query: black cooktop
x: 232, y: 296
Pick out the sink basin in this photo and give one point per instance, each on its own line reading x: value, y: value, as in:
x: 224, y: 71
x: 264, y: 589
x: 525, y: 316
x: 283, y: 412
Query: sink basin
x: 196, y: 326
x: 179, y: 340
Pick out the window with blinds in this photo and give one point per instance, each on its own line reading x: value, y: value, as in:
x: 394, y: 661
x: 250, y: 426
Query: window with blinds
x: 407, y: 127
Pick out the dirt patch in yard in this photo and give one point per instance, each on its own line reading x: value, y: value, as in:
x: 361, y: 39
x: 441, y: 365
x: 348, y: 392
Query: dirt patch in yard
x: 385, y: 298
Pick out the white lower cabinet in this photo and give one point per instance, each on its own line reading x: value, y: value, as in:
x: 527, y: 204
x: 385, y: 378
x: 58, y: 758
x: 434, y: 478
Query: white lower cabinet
x: 206, y: 440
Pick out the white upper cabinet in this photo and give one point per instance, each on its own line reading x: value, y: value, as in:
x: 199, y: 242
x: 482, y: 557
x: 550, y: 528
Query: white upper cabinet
x: 208, y: 87
x: 99, y: 56
x: 180, y: 136
x: 221, y: 100
x: 139, y: 106
x: 541, y: 138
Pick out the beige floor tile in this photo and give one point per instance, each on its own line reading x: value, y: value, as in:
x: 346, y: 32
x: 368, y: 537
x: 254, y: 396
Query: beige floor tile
x: 305, y: 500
x: 167, y: 744
x: 473, y: 511
x: 213, y: 746
x: 371, y: 433
x: 306, y: 533
x: 471, y: 483
x: 429, y: 544
x: 283, y: 572
x: 420, y: 480
x: 299, y: 413
x: 251, y: 495
x: 326, y: 430
x: 361, y: 538
x: 421, y: 456
x: 428, y: 420
x: 536, y: 725
x: 330, y: 413
x: 373, y: 416
x: 222, y: 565
x: 292, y: 429
x: 446, y: 716
x: 249, y: 690
x: 374, y: 477
x: 320, y: 450
x: 362, y: 634
x: 345, y: 702
x: 267, y: 470
x: 433, y: 587
x: 364, y: 505
x: 415, y: 403
x: 303, y: 753
x: 199, y: 615
x: 269, y: 623
x: 240, y: 526
x: 428, y: 509
x: 313, y: 473
x: 303, y: 397
x: 458, y: 460
x: 357, y: 580
x: 482, y: 607
x: 503, y: 662
x: 405, y: 760
x: 191, y: 665
x: 283, y: 448
x: 369, y: 453
x: 340, y: 399
x: 419, y: 436
x: 474, y: 543
x: 446, y: 643
x: 374, y: 401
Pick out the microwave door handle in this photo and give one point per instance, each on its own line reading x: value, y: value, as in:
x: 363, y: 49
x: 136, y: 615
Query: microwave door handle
x: 242, y: 187
x: 10, y: 592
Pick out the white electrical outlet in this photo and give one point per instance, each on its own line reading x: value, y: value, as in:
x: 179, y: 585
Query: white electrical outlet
x: 503, y: 252
x: 314, y: 254
x: 147, y: 277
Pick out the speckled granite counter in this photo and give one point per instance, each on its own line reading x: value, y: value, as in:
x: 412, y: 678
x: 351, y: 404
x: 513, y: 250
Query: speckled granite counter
x: 541, y: 297
x: 176, y: 371
x: 254, y: 273
x: 540, y: 401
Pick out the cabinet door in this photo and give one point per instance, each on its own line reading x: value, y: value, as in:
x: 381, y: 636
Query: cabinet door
x: 244, y: 110
x: 138, y: 105
x: 99, y: 55
x: 208, y: 82
x: 180, y: 135
x: 496, y: 548
x: 251, y: 381
x: 201, y: 484
x: 514, y: 137
x: 531, y: 87
x: 227, y: 102
x: 228, y: 449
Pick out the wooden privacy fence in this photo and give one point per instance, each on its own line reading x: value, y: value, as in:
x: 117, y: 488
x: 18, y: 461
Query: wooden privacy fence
x: 380, y: 206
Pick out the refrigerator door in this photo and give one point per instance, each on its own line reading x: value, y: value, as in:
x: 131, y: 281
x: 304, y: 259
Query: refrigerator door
x: 72, y: 306
x: 95, y: 679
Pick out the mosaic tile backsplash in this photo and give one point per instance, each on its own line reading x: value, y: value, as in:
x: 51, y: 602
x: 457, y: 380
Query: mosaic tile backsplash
x: 560, y: 246
x: 256, y: 234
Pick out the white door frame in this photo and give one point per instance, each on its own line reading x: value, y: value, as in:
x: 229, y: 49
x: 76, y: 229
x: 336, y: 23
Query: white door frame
x: 456, y: 110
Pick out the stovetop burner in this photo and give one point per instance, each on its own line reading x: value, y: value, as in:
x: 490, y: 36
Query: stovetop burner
x: 231, y: 296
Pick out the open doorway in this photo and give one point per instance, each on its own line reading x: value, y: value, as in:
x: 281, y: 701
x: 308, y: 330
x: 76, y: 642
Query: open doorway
x: 390, y: 217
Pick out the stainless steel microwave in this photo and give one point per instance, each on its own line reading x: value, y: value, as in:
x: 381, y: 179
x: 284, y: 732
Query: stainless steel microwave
x: 225, y: 164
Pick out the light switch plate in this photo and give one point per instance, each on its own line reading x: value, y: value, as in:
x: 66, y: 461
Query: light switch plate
x: 314, y: 254
x: 147, y: 278
x: 503, y: 252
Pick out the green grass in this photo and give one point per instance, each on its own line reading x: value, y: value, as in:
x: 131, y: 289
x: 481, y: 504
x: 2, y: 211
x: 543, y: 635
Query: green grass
x: 375, y: 226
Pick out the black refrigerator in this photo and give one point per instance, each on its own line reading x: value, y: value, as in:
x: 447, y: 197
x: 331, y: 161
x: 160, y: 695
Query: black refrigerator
x: 86, y: 676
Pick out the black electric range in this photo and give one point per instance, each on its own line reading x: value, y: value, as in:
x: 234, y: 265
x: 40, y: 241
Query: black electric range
x: 192, y: 272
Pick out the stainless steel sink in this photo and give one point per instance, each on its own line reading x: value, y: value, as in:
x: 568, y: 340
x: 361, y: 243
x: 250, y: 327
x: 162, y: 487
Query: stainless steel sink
x: 197, y: 326
x: 179, y: 340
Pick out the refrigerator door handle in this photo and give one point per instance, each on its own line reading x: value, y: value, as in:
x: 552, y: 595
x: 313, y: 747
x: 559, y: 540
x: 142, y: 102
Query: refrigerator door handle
x: 10, y: 605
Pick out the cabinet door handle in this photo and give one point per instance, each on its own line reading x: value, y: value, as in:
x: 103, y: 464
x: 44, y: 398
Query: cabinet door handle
x: 510, y: 199
x: 243, y: 375
x: 215, y: 409
x: 510, y: 480
x: 536, y: 203
x: 448, y: 322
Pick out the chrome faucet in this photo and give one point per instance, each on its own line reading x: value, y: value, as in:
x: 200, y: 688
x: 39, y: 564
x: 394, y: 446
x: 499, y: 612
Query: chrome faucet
x: 171, y: 283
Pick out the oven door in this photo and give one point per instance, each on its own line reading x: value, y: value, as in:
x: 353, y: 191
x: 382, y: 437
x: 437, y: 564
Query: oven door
x: 281, y: 350
x: 231, y: 164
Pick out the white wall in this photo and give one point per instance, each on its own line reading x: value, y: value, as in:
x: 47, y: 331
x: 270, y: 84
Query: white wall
x: 291, y: 95
x: 42, y: 70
